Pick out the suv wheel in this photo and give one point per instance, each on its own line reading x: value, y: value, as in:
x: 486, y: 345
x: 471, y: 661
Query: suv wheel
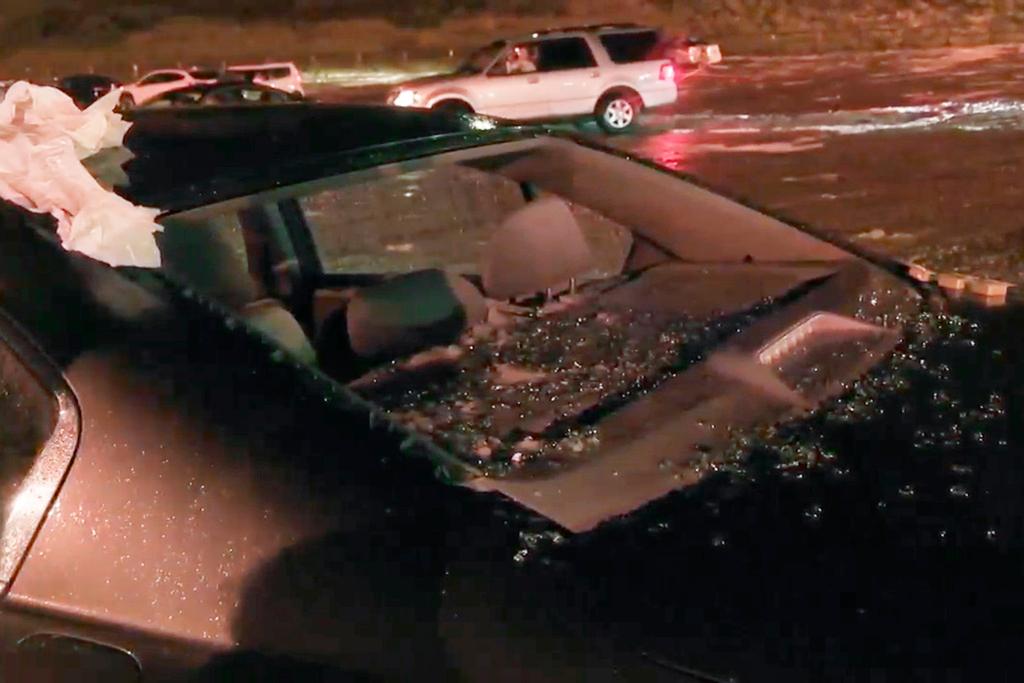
x: 618, y: 112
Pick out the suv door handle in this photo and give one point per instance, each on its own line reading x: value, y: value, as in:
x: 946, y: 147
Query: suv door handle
x: 596, y: 74
x: 533, y: 79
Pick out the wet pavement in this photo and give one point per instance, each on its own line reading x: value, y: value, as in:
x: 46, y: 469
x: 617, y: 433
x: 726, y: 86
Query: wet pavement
x: 915, y: 154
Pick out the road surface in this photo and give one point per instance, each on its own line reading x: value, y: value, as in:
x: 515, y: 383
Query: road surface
x: 918, y: 154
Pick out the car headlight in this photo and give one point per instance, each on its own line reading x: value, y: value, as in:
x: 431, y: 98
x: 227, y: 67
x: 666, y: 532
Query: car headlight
x: 405, y: 98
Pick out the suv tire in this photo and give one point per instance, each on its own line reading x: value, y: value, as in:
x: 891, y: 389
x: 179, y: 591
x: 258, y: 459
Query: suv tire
x: 453, y: 107
x: 618, y: 112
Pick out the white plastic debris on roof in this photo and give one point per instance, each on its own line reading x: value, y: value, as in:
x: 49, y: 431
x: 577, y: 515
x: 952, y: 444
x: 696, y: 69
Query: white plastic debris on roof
x: 43, y: 138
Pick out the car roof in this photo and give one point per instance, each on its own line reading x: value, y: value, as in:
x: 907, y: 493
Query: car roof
x: 190, y: 157
x: 588, y: 29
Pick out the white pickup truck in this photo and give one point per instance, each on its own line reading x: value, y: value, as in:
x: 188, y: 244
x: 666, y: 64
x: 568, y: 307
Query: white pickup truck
x: 602, y: 71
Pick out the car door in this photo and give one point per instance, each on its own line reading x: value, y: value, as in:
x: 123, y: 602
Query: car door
x: 512, y: 93
x: 570, y: 78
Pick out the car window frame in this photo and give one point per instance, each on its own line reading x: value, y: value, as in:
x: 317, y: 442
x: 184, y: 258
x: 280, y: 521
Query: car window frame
x: 38, y: 490
x: 145, y: 79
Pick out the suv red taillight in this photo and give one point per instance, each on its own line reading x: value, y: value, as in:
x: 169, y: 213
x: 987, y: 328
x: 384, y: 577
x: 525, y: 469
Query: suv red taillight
x: 667, y: 73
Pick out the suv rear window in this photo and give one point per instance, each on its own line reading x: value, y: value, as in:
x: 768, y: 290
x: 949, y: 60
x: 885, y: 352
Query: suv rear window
x: 635, y: 46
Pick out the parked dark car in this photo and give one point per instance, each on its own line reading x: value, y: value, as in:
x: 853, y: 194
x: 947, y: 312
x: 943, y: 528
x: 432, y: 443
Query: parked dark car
x: 264, y: 461
x: 85, y: 89
x: 227, y: 92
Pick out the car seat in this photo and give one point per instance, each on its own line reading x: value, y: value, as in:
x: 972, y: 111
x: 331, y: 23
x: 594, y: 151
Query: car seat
x: 410, y: 313
x: 537, y: 248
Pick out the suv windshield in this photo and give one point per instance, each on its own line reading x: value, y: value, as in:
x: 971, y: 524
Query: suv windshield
x: 481, y: 59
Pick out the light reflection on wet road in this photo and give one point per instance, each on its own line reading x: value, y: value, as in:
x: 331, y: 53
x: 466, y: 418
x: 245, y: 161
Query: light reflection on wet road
x: 924, y: 165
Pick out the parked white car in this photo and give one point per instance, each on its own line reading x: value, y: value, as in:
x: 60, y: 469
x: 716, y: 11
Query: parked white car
x: 602, y: 71
x: 281, y: 76
x: 156, y: 83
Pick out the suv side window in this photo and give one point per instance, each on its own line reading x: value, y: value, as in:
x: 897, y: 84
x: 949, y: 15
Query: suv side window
x: 634, y: 46
x: 562, y: 54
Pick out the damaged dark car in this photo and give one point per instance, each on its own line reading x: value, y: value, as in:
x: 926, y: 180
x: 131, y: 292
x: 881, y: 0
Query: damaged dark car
x: 426, y: 396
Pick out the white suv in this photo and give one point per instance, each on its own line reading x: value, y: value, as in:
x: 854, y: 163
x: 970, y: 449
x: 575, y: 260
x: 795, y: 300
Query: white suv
x: 604, y: 71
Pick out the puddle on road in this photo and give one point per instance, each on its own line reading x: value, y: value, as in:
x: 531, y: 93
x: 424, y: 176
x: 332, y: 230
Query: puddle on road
x: 942, y: 177
x: 963, y: 114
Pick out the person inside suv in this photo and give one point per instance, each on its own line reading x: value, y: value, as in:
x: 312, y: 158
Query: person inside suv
x: 522, y: 59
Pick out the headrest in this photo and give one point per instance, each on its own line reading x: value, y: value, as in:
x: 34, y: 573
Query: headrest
x: 202, y: 255
x: 412, y: 312
x: 273, y: 320
x: 539, y: 247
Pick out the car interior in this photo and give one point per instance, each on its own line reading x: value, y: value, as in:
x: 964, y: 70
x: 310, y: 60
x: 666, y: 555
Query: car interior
x: 459, y: 291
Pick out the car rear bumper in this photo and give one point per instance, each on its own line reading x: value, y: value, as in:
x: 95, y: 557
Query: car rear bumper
x: 659, y: 97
